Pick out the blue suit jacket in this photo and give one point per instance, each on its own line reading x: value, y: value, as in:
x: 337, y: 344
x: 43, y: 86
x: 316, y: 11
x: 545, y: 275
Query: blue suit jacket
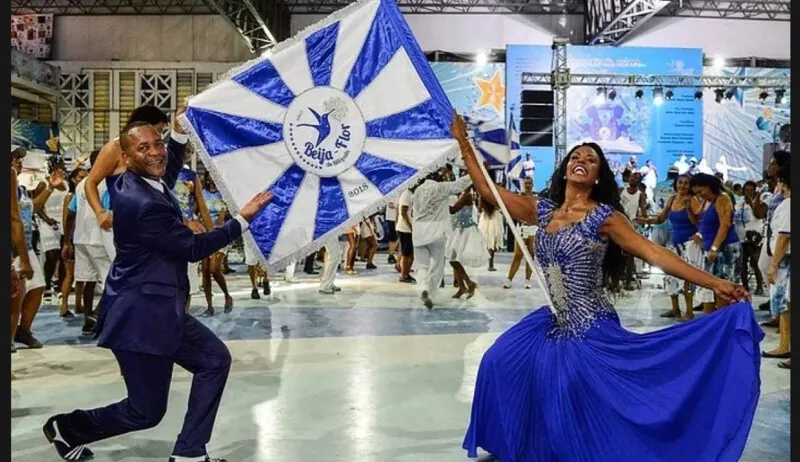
x: 143, y: 305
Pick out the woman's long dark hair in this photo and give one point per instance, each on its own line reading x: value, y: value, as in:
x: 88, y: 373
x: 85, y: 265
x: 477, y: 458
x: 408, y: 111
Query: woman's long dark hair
x: 606, y: 191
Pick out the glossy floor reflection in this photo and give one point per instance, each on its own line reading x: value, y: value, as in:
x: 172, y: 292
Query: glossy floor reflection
x: 365, y: 375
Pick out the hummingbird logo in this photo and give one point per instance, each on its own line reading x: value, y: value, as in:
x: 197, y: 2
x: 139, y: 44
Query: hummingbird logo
x: 323, y: 128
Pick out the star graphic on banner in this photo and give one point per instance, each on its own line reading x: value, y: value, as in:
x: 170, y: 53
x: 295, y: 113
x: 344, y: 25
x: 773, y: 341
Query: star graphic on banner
x: 493, y: 92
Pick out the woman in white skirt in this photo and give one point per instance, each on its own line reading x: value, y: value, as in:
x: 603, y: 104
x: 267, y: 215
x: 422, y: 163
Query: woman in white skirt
x: 490, y: 226
x: 466, y: 247
x: 681, y: 210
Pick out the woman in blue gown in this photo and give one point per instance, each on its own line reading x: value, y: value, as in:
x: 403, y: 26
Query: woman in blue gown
x: 568, y: 383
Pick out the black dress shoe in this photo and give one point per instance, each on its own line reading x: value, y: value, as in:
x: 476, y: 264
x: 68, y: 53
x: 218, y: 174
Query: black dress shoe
x: 64, y: 450
x: 764, y: 306
x: 266, y: 288
x: 207, y: 459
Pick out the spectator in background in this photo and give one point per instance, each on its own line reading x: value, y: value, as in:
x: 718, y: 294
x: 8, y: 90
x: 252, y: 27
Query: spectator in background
x: 720, y: 242
x: 779, y: 242
x: 764, y: 207
x: 404, y: 234
x: 748, y: 228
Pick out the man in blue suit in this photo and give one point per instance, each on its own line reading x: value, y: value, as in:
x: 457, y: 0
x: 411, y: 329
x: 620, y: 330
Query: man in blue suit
x: 142, y: 319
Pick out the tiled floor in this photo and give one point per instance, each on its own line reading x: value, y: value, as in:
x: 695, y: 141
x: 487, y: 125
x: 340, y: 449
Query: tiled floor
x: 365, y: 375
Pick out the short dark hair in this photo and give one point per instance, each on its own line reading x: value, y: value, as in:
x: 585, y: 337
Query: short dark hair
x: 709, y: 181
x: 781, y: 157
x: 93, y: 157
x: 149, y: 114
x: 124, y: 137
x: 749, y: 183
x: 785, y: 174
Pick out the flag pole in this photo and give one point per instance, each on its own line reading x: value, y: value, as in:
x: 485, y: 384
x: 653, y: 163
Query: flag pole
x: 517, y: 236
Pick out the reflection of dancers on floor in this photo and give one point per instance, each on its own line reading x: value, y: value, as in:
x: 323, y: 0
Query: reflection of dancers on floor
x: 547, y: 384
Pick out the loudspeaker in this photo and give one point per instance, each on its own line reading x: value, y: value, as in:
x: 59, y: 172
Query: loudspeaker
x: 536, y: 118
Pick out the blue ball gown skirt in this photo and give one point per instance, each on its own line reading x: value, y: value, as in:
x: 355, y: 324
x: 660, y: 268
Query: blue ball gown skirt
x: 685, y: 393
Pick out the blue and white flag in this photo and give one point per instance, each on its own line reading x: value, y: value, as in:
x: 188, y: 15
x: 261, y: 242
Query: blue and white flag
x: 515, y: 170
x: 334, y: 122
x: 489, y: 140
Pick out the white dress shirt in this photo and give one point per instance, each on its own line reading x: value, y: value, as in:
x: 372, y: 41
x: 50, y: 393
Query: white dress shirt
x: 431, y: 209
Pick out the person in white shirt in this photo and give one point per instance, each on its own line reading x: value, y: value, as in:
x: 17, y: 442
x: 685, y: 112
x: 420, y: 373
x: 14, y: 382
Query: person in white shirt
x: 634, y: 204
x: 89, y: 243
x: 779, y: 274
x: 50, y: 227
x: 431, y: 224
x: 404, y: 235
x: 391, y: 222
x: 333, y: 257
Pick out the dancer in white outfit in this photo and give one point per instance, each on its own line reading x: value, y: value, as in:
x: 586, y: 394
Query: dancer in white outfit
x: 333, y: 257
x: 431, y: 223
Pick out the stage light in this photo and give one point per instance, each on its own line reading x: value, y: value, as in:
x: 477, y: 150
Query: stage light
x: 763, y: 96
x: 668, y: 95
x: 658, y: 96
x: 698, y: 94
x: 612, y: 94
x: 600, y: 99
x: 719, y: 62
x: 779, y: 94
x: 729, y: 94
x: 718, y: 95
x: 481, y: 58
x: 639, y: 94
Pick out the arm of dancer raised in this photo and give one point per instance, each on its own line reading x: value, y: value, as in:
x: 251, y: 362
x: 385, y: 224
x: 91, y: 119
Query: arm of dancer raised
x: 618, y: 229
x: 661, y: 218
x: 520, y: 207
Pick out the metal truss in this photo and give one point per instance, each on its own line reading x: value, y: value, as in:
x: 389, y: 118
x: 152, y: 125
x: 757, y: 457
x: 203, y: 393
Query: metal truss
x: 776, y: 10
x: 666, y: 81
x: 779, y: 10
x: 609, y: 22
x: 560, y: 82
x: 245, y: 18
x: 111, y: 7
x: 450, y: 6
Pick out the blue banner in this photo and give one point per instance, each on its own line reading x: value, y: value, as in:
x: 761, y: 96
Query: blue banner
x: 475, y: 91
x: 624, y: 121
x: 736, y: 128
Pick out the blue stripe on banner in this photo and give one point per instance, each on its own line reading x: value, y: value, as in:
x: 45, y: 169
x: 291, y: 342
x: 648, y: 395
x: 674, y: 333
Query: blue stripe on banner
x: 418, y: 59
x: 223, y: 133
x: 264, y: 80
x: 488, y: 157
x: 379, y: 47
x: 421, y: 122
x: 320, y: 49
x: 496, y: 136
x: 268, y: 223
x: 384, y: 174
x: 331, y: 206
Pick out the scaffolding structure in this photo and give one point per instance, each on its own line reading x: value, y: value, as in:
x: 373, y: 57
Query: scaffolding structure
x: 560, y: 79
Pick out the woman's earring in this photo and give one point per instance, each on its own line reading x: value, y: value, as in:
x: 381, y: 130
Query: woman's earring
x: 596, y: 181
x: 565, y: 177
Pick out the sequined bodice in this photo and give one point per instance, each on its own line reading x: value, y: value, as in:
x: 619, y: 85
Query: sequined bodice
x: 464, y: 218
x: 572, y: 260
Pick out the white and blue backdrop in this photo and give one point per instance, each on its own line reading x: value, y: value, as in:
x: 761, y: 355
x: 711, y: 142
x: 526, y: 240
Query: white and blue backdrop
x: 334, y: 122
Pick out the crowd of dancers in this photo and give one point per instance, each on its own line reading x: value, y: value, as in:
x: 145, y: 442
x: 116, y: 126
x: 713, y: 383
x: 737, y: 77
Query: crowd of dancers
x: 590, y: 236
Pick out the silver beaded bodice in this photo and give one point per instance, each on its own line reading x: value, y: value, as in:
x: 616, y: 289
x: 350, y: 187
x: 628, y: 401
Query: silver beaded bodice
x: 464, y: 218
x: 572, y: 259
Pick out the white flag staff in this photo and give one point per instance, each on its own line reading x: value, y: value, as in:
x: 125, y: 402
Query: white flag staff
x: 517, y: 237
